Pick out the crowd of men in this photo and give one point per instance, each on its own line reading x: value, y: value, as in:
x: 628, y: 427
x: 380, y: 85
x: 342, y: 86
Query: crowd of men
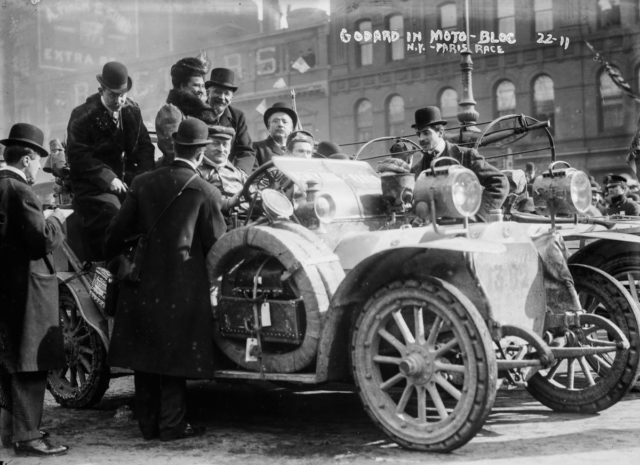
x: 176, y: 207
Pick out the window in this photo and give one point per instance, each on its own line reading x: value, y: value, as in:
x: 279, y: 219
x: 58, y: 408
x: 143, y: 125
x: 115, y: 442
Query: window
x: 396, y: 23
x: 608, y: 13
x: 449, y: 104
x: 610, y: 102
x: 506, y: 15
x: 364, y: 120
x: 365, y: 48
x: 505, y: 98
x: 395, y: 116
x: 543, y: 12
x: 448, y: 16
x: 544, y: 100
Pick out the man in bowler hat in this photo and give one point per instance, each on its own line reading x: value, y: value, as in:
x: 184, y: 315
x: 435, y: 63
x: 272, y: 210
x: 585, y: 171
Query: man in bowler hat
x: 164, y: 322
x: 280, y: 120
x: 107, y: 146
x: 220, y: 89
x: 429, y: 127
x: 30, y: 336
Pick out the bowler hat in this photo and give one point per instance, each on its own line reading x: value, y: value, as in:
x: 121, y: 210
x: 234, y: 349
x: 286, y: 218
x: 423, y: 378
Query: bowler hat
x: 193, y: 132
x: 115, y: 77
x: 222, y: 77
x: 427, y: 116
x: 282, y: 108
x: 27, y: 135
x: 221, y: 132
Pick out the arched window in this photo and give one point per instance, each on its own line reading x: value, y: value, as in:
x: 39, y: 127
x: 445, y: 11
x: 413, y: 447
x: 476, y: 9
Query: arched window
x: 610, y: 102
x: 396, y: 23
x: 448, y: 16
x: 505, y: 98
x: 543, y: 13
x: 395, y: 116
x: 449, y: 104
x: 544, y: 99
x: 364, y: 120
x: 506, y: 16
x: 365, y: 48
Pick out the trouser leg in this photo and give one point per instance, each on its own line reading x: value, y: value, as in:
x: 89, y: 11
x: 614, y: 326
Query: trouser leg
x: 27, y: 392
x: 147, y: 402
x: 173, y: 403
x: 6, y: 427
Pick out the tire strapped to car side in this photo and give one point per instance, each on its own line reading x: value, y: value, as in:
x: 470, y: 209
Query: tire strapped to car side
x: 303, y: 260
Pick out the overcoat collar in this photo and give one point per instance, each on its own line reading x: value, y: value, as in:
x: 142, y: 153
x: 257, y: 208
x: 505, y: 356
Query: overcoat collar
x: 14, y: 173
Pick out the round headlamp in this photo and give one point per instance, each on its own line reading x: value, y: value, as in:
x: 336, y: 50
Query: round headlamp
x: 276, y: 205
x: 325, y: 208
x: 562, y: 190
x: 454, y: 189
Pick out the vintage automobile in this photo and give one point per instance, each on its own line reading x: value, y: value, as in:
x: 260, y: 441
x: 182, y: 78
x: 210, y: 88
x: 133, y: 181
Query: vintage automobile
x: 343, y: 274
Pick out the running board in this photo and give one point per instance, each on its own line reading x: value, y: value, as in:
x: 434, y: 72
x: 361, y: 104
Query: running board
x: 291, y: 377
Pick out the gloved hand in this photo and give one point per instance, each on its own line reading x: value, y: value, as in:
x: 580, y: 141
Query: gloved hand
x: 393, y: 165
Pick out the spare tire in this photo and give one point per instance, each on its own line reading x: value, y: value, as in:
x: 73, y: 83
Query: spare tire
x: 303, y: 260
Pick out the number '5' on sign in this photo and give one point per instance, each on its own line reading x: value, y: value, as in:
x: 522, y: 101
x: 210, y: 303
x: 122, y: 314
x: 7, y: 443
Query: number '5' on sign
x: 550, y: 39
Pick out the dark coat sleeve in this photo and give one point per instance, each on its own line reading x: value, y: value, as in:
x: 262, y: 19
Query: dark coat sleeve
x: 85, y: 154
x: 40, y: 236
x: 494, y: 182
x: 211, y: 224
x: 242, y: 153
x: 140, y: 157
x: 124, y: 225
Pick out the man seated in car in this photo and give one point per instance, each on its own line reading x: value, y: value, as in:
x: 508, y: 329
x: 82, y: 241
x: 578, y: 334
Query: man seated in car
x: 300, y: 144
x: 219, y: 171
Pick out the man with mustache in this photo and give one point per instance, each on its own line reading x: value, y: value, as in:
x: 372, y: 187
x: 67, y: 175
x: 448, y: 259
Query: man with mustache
x: 220, y: 90
x: 107, y: 146
x: 280, y: 119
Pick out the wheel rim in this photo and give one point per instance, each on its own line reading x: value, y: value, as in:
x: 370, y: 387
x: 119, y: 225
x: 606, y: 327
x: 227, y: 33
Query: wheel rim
x: 417, y: 378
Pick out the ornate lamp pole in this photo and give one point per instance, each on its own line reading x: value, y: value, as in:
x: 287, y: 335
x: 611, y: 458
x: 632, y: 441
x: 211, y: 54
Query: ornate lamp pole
x: 467, y: 114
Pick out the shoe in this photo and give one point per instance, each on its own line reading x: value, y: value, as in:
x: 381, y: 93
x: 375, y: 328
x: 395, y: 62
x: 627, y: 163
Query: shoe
x: 186, y: 431
x: 38, y: 447
x: 6, y: 440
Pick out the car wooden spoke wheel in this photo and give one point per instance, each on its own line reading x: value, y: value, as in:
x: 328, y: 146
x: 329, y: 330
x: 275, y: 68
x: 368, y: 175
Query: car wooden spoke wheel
x: 424, y: 364
x: 85, y: 376
x: 593, y: 382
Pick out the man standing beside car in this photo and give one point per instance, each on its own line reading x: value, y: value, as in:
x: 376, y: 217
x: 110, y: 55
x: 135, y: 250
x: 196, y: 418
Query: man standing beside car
x: 220, y: 90
x: 30, y: 337
x: 164, y: 321
x: 107, y: 146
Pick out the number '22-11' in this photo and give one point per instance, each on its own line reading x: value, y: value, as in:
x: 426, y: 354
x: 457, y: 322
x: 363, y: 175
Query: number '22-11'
x: 549, y: 39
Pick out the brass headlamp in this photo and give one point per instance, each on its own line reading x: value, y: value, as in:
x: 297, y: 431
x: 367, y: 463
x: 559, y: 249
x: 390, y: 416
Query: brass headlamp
x: 453, y: 190
x: 562, y: 190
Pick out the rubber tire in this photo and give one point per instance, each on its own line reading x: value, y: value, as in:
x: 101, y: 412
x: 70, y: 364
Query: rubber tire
x: 478, y: 394
x: 620, y: 265
x: 609, y: 389
x: 97, y: 375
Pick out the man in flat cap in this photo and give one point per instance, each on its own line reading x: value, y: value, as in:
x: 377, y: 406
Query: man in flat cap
x: 220, y: 89
x: 429, y: 127
x: 31, y: 341
x: 300, y: 144
x: 616, y: 194
x: 220, y: 172
x: 107, y: 146
x: 280, y: 120
x: 187, y: 98
x: 164, y: 320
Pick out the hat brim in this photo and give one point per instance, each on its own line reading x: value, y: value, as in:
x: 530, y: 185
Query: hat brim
x: 120, y: 90
x: 193, y: 143
x: 25, y: 142
x: 288, y: 111
x: 208, y: 84
x: 433, y: 123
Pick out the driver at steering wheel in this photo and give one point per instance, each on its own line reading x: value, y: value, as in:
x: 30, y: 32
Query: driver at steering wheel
x: 219, y: 171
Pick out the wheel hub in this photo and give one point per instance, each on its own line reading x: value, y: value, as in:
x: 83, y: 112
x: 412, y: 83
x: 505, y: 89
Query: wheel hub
x: 418, y: 365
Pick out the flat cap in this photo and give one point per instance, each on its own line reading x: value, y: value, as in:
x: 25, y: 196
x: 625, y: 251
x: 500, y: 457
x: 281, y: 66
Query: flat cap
x: 221, y: 132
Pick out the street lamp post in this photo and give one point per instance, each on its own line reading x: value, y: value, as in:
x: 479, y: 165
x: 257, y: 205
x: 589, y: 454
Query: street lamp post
x: 467, y: 113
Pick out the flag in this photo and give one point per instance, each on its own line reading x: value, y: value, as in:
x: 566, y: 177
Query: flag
x: 262, y: 107
x: 614, y: 74
x: 301, y: 65
x: 280, y: 84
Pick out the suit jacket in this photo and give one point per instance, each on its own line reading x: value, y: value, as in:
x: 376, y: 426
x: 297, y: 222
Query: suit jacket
x: 494, y: 182
x: 99, y: 151
x: 32, y: 340
x: 265, y: 150
x: 242, y: 153
x: 164, y: 324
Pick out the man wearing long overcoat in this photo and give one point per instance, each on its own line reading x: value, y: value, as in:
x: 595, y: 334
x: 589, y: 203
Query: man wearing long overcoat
x: 164, y: 323
x: 107, y: 146
x: 30, y: 335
